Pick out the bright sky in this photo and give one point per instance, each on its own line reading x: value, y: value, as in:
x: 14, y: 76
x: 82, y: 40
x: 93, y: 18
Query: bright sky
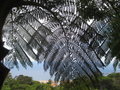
x: 38, y: 73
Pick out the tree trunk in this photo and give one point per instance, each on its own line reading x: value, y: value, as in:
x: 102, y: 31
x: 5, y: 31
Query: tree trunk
x: 4, y: 10
x: 3, y: 70
x: 3, y: 51
x: 3, y: 74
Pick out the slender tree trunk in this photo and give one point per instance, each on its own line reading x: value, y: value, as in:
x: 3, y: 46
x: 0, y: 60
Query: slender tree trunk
x: 3, y: 70
x: 3, y: 74
x: 4, y: 10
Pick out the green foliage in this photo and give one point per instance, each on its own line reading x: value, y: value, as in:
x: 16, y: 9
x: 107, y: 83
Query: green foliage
x: 88, y: 9
x: 44, y: 87
x: 6, y: 87
x: 24, y: 79
x: 58, y: 87
x: 21, y: 87
x: 49, y: 81
x: 116, y: 78
x: 77, y: 84
x: 110, y: 82
x: 22, y: 82
x: 114, y: 43
x: 106, y: 83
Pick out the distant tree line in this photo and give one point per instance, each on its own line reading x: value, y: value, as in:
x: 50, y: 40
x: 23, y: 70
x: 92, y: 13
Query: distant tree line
x: 21, y: 82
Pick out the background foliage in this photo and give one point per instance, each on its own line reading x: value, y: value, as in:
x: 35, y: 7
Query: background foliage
x: 109, y: 82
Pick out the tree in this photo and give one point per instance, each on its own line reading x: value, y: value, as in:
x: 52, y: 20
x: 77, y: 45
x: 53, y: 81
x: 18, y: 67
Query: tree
x: 44, y: 87
x: 115, y: 77
x: 49, y: 82
x: 9, y: 82
x: 24, y: 79
x: 114, y: 41
x: 8, y: 79
x: 3, y: 73
x: 106, y: 82
x: 109, y: 82
x: 60, y: 48
x: 19, y: 83
x: 69, y: 46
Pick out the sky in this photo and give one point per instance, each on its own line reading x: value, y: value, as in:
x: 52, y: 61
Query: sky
x: 37, y: 72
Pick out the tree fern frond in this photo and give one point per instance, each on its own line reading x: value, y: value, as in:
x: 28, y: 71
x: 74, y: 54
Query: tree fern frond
x: 47, y: 3
x: 58, y: 59
x: 26, y: 16
x: 115, y: 64
x: 80, y: 60
x: 26, y: 47
x: 104, y: 46
x: 68, y: 11
x: 88, y: 60
x: 108, y: 58
x: 58, y: 35
x: 10, y: 60
x: 50, y: 57
x: 64, y: 64
x: 86, y: 45
x: 23, y: 54
x: 44, y: 31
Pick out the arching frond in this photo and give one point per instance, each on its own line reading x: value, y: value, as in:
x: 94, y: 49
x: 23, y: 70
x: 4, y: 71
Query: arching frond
x: 68, y: 45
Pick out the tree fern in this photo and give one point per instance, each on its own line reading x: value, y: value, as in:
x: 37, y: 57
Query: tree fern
x: 58, y: 35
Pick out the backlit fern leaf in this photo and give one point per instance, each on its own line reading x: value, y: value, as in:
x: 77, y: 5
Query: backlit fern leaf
x: 68, y: 45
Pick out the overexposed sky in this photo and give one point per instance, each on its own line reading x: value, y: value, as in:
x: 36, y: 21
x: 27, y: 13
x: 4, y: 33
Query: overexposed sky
x: 38, y: 73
